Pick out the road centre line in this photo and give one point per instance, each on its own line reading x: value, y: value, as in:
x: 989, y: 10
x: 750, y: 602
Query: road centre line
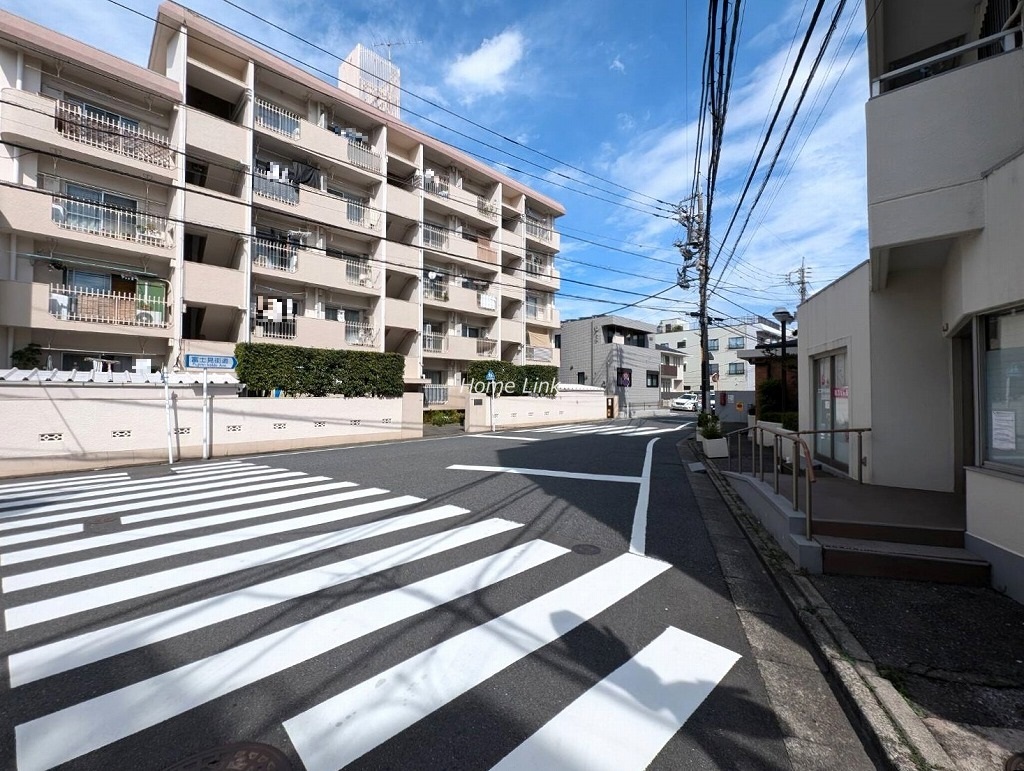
x: 638, y: 538
x: 539, y: 472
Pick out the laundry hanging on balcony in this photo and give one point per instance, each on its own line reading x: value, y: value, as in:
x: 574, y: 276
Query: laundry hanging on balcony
x: 305, y: 174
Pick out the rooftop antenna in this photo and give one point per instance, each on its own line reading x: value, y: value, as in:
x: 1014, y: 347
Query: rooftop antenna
x: 389, y: 43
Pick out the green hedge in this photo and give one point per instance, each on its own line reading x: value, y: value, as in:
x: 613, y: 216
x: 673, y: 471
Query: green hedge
x: 516, y: 380
x: 789, y: 420
x: 264, y: 368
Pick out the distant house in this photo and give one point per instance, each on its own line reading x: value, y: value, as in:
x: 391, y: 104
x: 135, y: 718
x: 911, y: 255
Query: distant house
x: 614, y: 353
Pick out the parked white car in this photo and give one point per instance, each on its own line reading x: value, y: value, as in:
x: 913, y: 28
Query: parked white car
x: 686, y: 402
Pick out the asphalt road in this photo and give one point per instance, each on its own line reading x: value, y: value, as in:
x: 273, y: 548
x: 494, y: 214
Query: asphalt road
x: 532, y: 599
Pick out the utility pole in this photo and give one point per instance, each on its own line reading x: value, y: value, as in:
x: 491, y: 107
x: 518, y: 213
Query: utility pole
x: 801, y: 282
x: 695, y: 250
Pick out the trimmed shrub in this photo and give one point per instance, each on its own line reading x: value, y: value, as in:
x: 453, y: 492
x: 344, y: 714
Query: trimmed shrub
x: 789, y: 420
x: 529, y: 379
x: 297, y: 371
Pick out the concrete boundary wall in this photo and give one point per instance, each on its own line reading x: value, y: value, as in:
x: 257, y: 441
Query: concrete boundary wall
x: 51, y: 428
x: 522, y: 411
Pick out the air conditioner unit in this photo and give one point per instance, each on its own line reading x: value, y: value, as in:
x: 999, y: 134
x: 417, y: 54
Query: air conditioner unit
x: 150, y: 318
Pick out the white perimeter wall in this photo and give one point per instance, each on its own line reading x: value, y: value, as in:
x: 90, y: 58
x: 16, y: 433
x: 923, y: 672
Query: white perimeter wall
x: 57, y: 428
x: 522, y: 411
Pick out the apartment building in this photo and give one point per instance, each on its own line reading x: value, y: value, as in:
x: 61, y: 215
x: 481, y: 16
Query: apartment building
x: 222, y: 195
x: 726, y: 340
x: 924, y: 342
x: 613, y: 353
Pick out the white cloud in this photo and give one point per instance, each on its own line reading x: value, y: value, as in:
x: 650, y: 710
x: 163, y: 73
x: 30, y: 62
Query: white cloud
x: 617, y: 65
x: 488, y: 69
x: 626, y: 121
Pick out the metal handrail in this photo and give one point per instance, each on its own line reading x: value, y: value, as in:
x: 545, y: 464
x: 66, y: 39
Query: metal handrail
x: 860, y: 443
x: 779, y: 435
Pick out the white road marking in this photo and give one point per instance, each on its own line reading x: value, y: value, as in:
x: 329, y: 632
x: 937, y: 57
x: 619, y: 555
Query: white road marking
x: 152, y: 499
x: 206, y: 466
x: 99, y: 721
x: 337, y: 731
x: 123, y: 536
x: 123, y: 491
x: 539, y: 472
x: 61, y: 656
x: 52, y: 483
x: 601, y: 429
x: 112, y: 562
x: 503, y: 436
x: 638, y: 537
x: 39, y: 535
x: 639, y: 707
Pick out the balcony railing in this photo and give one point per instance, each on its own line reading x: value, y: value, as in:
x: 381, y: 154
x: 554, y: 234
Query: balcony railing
x: 487, y: 209
x: 363, y: 156
x: 113, y: 134
x: 75, y: 303
x: 1003, y: 41
x: 486, y: 347
x: 276, y: 255
x: 438, y: 186
x: 538, y: 230
x: 535, y: 353
x: 285, y: 191
x: 111, y: 221
x: 538, y: 312
x: 277, y: 119
x: 436, y: 291
x: 487, y: 302
x: 359, y: 273
x: 435, y: 343
x: 279, y: 330
x: 537, y: 267
x: 435, y: 237
x: 360, y: 333
x: 360, y: 213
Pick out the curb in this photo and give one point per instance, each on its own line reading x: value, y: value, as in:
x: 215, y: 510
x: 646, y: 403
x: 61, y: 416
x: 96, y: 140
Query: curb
x: 899, y: 735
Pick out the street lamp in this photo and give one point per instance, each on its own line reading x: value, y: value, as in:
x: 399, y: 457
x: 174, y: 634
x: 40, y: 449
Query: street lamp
x: 784, y: 317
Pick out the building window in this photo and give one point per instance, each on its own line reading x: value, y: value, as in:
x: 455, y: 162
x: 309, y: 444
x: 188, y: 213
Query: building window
x: 624, y: 378
x: 581, y: 378
x: 558, y: 341
x: 735, y: 343
x: 1003, y: 389
x: 712, y: 345
x: 681, y: 344
x: 652, y: 378
x: 737, y: 368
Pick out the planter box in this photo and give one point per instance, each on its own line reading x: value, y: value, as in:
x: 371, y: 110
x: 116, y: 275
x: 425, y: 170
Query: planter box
x: 716, y: 448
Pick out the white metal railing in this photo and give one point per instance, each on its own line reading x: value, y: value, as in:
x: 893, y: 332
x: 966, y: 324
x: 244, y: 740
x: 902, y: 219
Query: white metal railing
x: 285, y: 191
x: 360, y: 213
x: 487, y: 302
x: 1009, y: 39
x: 280, y: 330
x: 277, y: 255
x: 111, y: 221
x: 538, y: 312
x: 76, y: 303
x: 359, y: 273
x: 537, y: 266
x: 438, y: 186
x: 363, y: 156
x: 536, y: 353
x: 436, y: 290
x: 538, y: 230
x: 277, y: 119
x: 360, y: 333
x: 111, y: 133
x: 435, y: 394
x: 435, y: 343
x: 486, y: 208
x: 486, y: 347
x: 435, y: 237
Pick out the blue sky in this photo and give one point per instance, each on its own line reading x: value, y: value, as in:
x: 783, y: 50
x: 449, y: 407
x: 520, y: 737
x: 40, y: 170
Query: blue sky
x: 609, y: 88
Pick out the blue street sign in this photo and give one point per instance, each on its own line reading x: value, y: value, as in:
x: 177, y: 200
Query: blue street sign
x: 203, y: 361
x: 490, y: 376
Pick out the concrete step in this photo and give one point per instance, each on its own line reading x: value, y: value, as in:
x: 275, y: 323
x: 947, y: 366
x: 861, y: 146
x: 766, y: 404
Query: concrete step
x: 888, y: 559
x: 875, y: 531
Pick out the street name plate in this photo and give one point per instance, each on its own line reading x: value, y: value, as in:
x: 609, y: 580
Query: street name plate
x: 203, y: 361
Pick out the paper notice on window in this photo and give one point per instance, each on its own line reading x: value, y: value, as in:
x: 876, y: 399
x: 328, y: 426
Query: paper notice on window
x: 1004, y: 430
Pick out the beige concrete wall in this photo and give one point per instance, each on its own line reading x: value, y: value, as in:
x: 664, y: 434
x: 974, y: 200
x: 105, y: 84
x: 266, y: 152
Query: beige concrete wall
x: 911, y: 379
x: 521, y: 411
x: 985, y: 271
x: 55, y: 428
x: 995, y: 509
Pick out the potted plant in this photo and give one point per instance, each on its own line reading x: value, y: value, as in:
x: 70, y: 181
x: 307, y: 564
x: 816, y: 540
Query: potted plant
x: 715, y: 445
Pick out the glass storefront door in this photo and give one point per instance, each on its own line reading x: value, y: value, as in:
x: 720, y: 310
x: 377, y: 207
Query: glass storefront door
x: 832, y: 410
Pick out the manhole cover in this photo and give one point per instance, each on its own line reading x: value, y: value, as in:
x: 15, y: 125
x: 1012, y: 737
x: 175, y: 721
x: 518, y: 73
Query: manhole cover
x: 1015, y: 762
x: 586, y: 548
x: 243, y: 756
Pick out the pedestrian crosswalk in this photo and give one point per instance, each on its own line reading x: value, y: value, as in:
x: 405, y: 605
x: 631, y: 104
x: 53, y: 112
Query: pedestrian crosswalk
x: 604, y: 429
x: 100, y: 568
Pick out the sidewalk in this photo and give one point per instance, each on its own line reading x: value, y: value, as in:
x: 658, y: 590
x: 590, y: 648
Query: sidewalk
x: 934, y: 671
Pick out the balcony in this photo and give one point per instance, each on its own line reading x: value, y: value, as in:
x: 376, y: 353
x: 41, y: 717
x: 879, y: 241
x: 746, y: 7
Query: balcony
x: 276, y: 255
x: 285, y: 191
x: 435, y: 344
x: 670, y: 370
x: 540, y: 355
x: 541, y: 315
x: 317, y: 333
x: 313, y: 266
x: 539, y: 273
x: 459, y: 348
x: 541, y: 234
x: 75, y: 303
x: 39, y: 121
x: 925, y: 180
x: 486, y: 348
x: 454, y: 200
x: 435, y: 292
x: 110, y: 221
x: 314, y: 205
x: 334, y: 143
